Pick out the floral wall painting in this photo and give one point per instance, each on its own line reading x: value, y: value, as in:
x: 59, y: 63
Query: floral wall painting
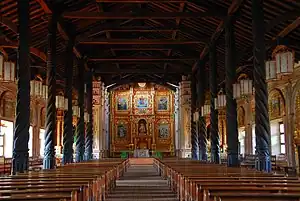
x: 162, y: 103
x: 142, y: 102
x: 122, y: 103
x: 121, y: 131
x: 163, y: 131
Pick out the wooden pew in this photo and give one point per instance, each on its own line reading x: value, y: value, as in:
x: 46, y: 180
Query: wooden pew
x: 194, y: 180
x: 81, y: 181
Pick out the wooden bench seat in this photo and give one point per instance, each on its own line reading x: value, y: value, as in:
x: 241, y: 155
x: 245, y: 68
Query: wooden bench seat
x: 81, y: 181
x: 199, y: 181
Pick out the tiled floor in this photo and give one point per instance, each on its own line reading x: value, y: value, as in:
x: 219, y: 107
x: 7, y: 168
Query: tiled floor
x: 141, y: 183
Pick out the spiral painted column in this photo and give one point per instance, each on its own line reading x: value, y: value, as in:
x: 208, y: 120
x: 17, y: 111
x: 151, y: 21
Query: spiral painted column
x: 202, y: 137
x: 89, y: 126
x: 68, y: 116
x: 262, y: 123
x: 194, y: 133
x: 214, y: 131
x: 50, y: 131
x: 80, y: 135
x: 231, y: 113
x: 22, y: 122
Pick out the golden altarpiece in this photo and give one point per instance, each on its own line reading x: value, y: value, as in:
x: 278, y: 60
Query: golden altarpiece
x: 142, y: 117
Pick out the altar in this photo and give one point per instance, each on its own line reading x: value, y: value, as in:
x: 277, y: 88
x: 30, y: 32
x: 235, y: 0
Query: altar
x: 141, y: 153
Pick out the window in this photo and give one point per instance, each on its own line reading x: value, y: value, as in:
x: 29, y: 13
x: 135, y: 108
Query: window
x: 282, y: 138
x: 242, y: 134
x: 7, y: 131
x: 42, y: 142
x: 30, y: 142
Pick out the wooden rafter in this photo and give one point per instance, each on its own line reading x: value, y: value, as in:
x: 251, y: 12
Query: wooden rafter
x: 141, y: 1
x: 136, y: 42
x: 140, y: 15
x: 112, y: 70
x: 136, y: 59
x: 235, y: 5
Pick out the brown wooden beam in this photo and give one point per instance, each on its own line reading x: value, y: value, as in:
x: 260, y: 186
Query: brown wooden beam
x: 235, y: 5
x: 8, y: 23
x: 90, y: 41
x: 114, y: 70
x: 136, y: 59
x: 141, y: 1
x: 140, y: 15
x: 15, y: 45
x: 61, y: 29
x: 140, y: 49
x: 139, y: 29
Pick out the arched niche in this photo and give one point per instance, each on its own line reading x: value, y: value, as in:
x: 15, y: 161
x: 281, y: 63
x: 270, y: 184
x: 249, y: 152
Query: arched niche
x: 276, y: 104
x: 241, y: 117
x: 43, y: 117
x: 8, y: 104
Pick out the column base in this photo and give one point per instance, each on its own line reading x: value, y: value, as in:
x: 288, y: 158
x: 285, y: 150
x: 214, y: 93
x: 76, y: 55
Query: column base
x: 195, y: 154
x: 202, y: 155
x: 20, y: 162
x: 215, y: 157
x: 79, y: 157
x: 233, y: 160
x: 263, y: 163
x: 49, y: 162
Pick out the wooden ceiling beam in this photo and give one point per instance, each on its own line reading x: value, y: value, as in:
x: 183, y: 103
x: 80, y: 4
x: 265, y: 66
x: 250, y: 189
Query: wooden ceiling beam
x: 114, y: 70
x: 136, y: 59
x: 142, y: 1
x: 8, y: 23
x: 233, y: 8
x: 15, y: 45
x: 94, y: 41
x: 140, y: 15
x: 60, y: 28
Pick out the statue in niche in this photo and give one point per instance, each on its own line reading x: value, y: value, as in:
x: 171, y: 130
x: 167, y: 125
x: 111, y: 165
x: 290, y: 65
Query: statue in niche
x: 142, y: 127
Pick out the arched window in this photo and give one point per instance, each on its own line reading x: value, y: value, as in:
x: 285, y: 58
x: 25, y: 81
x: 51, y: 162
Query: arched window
x: 8, y: 103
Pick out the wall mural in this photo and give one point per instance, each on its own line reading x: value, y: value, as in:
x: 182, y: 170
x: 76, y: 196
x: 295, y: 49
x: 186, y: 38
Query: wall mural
x: 142, y: 117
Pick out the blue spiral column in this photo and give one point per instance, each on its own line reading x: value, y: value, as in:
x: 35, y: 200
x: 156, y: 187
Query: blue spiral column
x: 22, y: 122
x: 89, y: 126
x: 262, y: 123
x: 202, y: 137
x: 214, y: 131
x: 80, y: 135
x: 194, y: 133
x: 50, y: 131
x: 231, y: 113
x: 68, y: 116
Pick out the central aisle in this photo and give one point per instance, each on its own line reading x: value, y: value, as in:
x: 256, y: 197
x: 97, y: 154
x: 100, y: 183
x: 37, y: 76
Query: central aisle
x: 141, y: 183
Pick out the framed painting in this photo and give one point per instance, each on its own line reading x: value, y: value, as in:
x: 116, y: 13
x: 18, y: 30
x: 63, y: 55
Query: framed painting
x: 122, y: 103
x: 162, y: 103
x: 163, y: 131
x: 142, y: 102
x: 122, y: 130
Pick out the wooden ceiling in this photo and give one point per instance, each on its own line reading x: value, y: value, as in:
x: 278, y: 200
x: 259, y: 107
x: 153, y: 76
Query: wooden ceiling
x: 150, y: 40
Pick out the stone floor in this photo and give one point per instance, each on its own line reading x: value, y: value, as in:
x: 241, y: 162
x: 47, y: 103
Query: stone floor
x: 141, y: 183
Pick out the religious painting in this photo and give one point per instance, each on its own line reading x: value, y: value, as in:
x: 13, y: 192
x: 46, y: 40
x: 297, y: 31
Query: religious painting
x: 163, y: 130
x: 122, y: 103
x: 142, y: 102
x: 121, y: 130
x: 276, y: 104
x: 142, y: 127
x: 162, y: 103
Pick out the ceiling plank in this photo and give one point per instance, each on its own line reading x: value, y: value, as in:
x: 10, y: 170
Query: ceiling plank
x: 94, y: 41
x: 140, y: 15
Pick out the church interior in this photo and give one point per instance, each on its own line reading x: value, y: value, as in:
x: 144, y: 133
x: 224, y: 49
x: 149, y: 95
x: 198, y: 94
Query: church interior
x: 149, y: 99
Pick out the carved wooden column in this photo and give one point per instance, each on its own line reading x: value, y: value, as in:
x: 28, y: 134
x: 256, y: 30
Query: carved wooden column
x: 194, y: 133
x: 89, y: 126
x: 214, y: 131
x: 68, y: 115
x: 80, y: 136
x: 22, y: 121
x: 231, y: 113
x: 262, y: 123
x: 202, y: 136
x: 185, y: 117
x: 49, y: 153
